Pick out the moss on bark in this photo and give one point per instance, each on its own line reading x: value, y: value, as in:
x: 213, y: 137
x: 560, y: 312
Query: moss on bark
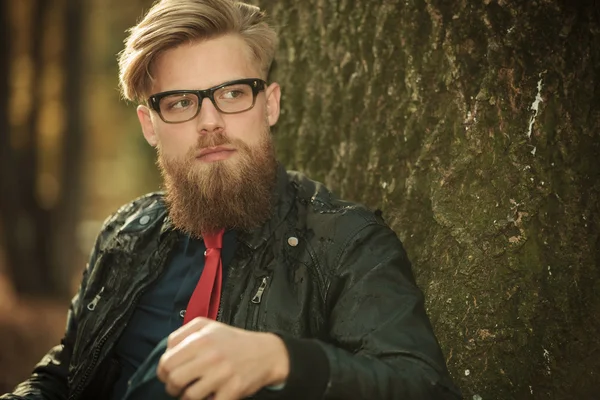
x: 475, y: 127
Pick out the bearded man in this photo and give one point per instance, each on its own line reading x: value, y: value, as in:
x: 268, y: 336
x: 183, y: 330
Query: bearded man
x: 242, y: 279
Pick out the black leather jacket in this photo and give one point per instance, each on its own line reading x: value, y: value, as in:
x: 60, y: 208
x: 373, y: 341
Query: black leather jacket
x: 327, y: 275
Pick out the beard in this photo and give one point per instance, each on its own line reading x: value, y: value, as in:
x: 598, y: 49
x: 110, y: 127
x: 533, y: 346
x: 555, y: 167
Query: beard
x: 236, y: 193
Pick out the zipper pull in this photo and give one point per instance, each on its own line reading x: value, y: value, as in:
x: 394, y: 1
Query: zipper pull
x: 258, y: 296
x: 92, y: 305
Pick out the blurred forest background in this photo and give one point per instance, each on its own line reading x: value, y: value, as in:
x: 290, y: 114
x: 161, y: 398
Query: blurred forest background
x: 473, y: 125
x: 71, y: 152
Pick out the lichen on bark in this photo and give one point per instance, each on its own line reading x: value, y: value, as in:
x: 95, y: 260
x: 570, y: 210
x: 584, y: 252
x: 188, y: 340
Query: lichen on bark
x: 475, y: 127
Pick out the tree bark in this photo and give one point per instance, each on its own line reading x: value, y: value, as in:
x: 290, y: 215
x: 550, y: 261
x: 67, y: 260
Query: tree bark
x: 475, y: 127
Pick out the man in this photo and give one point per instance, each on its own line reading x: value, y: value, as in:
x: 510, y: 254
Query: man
x: 313, y: 296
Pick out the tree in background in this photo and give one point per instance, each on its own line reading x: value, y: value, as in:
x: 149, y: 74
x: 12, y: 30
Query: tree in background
x: 475, y: 127
x: 40, y: 142
x: 70, y: 154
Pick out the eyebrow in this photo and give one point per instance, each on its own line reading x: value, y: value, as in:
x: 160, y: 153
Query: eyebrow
x: 237, y: 78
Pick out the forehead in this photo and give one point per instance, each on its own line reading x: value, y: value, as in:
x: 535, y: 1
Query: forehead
x: 203, y: 64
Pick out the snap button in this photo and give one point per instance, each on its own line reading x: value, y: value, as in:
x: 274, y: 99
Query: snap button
x: 293, y: 241
x: 182, y: 313
x: 144, y: 220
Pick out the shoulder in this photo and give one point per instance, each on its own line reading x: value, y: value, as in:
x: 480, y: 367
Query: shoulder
x: 330, y: 216
x: 140, y: 214
x: 345, y: 235
x: 323, y: 204
x: 150, y: 203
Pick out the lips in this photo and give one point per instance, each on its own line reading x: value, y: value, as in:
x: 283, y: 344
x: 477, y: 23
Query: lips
x: 214, y: 153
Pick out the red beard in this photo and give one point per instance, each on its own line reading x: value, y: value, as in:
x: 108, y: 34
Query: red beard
x: 222, y: 194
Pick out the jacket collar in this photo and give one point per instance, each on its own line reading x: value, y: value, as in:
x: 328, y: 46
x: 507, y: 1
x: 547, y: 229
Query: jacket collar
x: 282, y: 201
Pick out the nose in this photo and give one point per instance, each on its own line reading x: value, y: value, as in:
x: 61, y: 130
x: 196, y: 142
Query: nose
x: 209, y: 118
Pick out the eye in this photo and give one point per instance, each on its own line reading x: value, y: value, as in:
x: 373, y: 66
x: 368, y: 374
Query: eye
x: 231, y: 94
x: 234, y: 92
x: 177, y: 102
x: 183, y: 103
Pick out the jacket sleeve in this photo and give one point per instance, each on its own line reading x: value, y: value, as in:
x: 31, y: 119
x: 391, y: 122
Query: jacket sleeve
x: 381, y: 344
x: 48, y: 380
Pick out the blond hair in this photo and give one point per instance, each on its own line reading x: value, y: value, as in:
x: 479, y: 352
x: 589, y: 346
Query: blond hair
x: 170, y: 23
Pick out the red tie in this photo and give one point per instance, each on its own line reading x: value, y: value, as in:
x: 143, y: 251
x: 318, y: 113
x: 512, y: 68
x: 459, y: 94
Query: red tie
x: 205, y: 299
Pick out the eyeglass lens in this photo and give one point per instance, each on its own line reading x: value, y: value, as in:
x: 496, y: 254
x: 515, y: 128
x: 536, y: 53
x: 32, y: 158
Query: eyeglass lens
x: 228, y: 99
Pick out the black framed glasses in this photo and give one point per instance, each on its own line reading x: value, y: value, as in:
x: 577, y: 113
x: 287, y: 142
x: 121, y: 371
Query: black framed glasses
x: 231, y: 97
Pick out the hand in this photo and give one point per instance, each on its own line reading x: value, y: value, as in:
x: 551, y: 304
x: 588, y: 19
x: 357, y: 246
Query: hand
x: 205, y: 358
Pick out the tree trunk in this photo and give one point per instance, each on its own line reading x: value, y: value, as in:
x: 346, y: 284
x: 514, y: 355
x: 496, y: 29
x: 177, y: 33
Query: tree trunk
x: 4, y: 126
x: 25, y: 243
x: 4, y: 102
x: 475, y: 127
x: 41, y: 151
x: 67, y: 212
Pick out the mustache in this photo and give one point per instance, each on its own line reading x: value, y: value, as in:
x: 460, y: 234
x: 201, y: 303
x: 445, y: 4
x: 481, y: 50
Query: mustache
x: 212, y: 140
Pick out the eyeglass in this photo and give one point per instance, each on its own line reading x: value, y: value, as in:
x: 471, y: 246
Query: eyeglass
x: 231, y: 97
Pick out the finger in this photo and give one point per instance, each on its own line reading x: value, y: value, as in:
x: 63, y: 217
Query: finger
x: 193, y: 326
x: 192, y: 346
x: 198, y: 367
x: 181, y: 377
x: 235, y: 389
x: 213, y: 382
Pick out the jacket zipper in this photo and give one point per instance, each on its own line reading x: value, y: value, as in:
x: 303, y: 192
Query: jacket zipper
x: 220, y: 309
x: 259, y: 293
x: 92, y: 304
x: 83, y: 380
x: 230, y: 271
x: 98, y: 348
x: 257, y: 299
x: 100, y: 345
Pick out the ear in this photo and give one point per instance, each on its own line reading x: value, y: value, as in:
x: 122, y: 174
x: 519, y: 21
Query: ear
x: 273, y: 93
x: 145, y: 118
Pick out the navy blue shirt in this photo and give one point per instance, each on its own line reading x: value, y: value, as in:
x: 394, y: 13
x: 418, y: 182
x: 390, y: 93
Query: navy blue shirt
x: 161, y: 309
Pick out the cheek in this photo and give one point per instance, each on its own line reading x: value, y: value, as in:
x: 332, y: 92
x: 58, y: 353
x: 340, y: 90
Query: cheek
x: 175, y: 142
x: 249, y: 131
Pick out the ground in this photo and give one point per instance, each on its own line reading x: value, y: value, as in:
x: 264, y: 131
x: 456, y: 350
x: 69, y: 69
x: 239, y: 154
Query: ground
x: 28, y: 329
